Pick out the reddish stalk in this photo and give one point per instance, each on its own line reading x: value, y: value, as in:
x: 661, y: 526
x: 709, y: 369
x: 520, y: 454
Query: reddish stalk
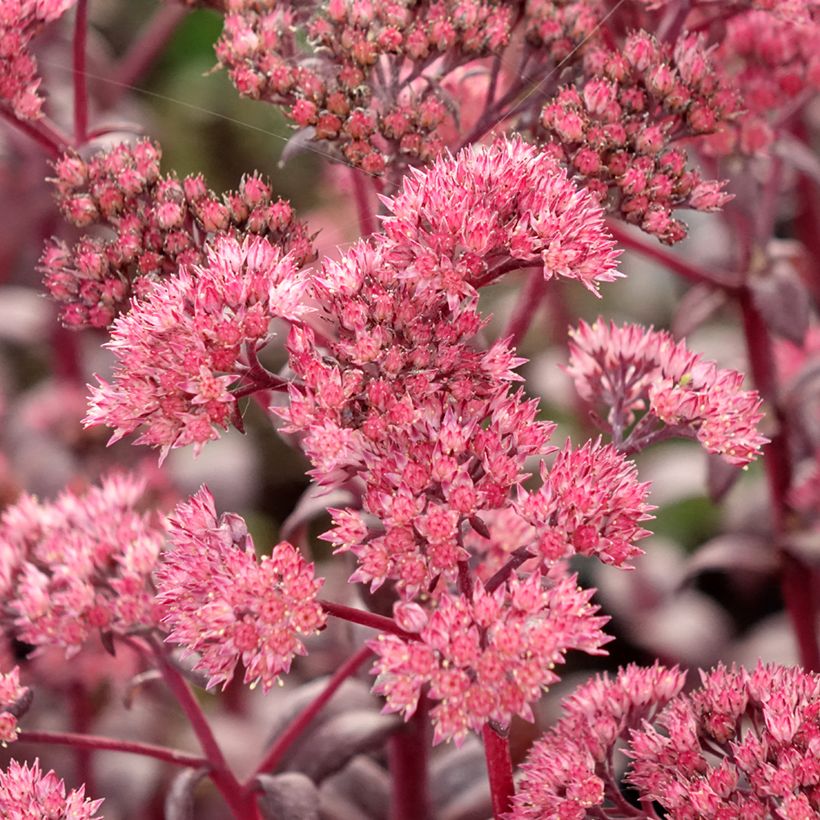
x: 407, y: 755
x: 243, y: 805
x: 300, y: 723
x: 364, y: 618
x: 361, y: 195
x: 110, y: 744
x: 499, y: 770
x: 47, y: 135
x: 149, y: 44
x: 80, y: 75
x: 796, y: 579
x: 529, y: 300
x: 669, y: 260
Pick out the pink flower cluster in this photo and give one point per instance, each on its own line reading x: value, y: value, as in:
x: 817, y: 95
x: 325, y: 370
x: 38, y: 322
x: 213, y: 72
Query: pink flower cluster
x: 563, y: 27
x: 570, y: 770
x: 745, y: 744
x: 402, y: 397
x: 619, y: 130
x: 356, y: 83
x: 645, y: 375
x: 773, y: 58
x: 79, y: 564
x: 20, y: 22
x: 26, y: 793
x: 488, y: 658
x: 14, y: 700
x: 572, y: 513
x: 179, y: 349
x: 160, y: 224
x: 221, y: 601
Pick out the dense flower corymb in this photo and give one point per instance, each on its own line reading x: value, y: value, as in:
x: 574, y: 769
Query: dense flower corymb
x: 221, y: 601
x: 78, y: 564
x: 488, y: 658
x: 159, y: 223
x: 570, y: 769
x: 745, y: 744
x: 645, y: 376
x: 28, y: 794
x: 179, y: 350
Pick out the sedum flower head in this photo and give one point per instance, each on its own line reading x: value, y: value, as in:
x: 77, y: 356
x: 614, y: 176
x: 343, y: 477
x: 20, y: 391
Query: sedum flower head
x: 400, y: 395
x: 222, y: 602
x: 78, y: 564
x: 744, y: 744
x: 646, y: 376
x: 506, y: 200
x: 26, y: 793
x: 488, y: 658
x: 590, y: 503
x: 569, y: 770
x: 20, y: 22
x: 178, y: 350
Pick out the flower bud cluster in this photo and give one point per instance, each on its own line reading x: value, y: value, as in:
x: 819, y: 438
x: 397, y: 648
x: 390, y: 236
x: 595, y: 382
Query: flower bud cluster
x: 160, y: 223
x: 78, y: 565
x: 745, y: 744
x: 773, y: 59
x: 645, y: 376
x: 620, y: 129
x: 356, y: 85
x: 563, y: 27
x: 488, y: 658
x: 221, y: 601
x: 26, y: 793
x: 14, y: 700
x: 20, y: 22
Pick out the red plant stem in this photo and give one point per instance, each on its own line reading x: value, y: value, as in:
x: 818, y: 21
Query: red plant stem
x: 669, y: 260
x: 364, y: 207
x: 148, y: 45
x: 81, y: 719
x: 407, y: 755
x: 47, y: 135
x: 110, y: 744
x: 80, y: 74
x: 499, y: 769
x: 243, y: 806
x: 796, y: 578
x: 300, y: 723
x: 529, y: 300
x: 371, y: 619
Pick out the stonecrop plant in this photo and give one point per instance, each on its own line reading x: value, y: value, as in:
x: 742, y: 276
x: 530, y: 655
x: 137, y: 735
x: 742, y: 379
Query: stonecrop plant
x: 505, y: 549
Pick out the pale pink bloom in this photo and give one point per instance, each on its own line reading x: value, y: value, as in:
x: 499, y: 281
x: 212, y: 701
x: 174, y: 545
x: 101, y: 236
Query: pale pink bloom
x: 28, y: 794
x: 647, y: 380
x: 14, y: 700
x: 570, y: 769
x: 226, y: 605
x: 745, y: 742
x: 79, y: 564
x: 20, y: 22
x: 488, y: 658
x: 509, y: 200
x: 179, y: 349
x: 590, y: 503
